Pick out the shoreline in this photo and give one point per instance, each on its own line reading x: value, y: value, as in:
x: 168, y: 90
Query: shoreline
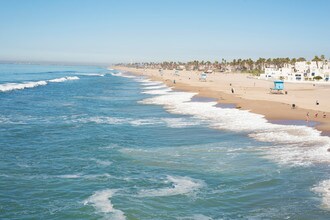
x: 272, y: 110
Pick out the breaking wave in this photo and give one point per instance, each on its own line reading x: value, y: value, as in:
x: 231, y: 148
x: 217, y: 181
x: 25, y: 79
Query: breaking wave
x: 157, y: 91
x: 63, y: 79
x: 27, y: 85
x: 122, y: 75
x: 91, y: 74
x: 17, y: 86
x: 155, y: 87
x: 294, y: 145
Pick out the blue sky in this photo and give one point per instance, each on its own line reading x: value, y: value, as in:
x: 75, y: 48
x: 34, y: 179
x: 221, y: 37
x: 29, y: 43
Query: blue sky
x: 110, y: 31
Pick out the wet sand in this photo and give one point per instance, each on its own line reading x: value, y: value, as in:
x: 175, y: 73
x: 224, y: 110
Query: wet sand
x: 253, y: 95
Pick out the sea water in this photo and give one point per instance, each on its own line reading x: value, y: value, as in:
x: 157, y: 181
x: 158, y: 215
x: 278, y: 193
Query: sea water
x: 82, y: 142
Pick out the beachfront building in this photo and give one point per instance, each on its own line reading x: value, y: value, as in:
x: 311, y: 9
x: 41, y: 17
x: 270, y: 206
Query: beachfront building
x: 181, y: 67
x: 300, y: 71
x: 284, y: 73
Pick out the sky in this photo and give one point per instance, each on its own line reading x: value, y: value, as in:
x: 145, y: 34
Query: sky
x: 113, y: 31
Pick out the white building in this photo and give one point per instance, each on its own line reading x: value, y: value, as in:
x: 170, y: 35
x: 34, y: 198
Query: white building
x: 301, y: 67
x: 301, y: 71
x: 285, y: 73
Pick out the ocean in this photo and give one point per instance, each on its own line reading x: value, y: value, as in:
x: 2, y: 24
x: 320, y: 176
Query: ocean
x: 84, y: 142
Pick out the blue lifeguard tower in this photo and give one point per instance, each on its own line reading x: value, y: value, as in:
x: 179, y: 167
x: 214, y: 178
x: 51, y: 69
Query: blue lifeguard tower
x: 278, y: 86
x: 203, y: 77
x: 176, y: 73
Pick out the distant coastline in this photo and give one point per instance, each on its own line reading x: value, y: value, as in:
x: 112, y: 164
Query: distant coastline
x: 251, y: 94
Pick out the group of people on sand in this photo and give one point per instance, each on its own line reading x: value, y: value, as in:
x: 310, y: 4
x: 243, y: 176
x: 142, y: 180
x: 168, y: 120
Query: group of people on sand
x: 315, y: 115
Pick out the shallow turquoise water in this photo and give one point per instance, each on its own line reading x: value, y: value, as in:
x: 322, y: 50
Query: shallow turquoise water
x: 88, y: 147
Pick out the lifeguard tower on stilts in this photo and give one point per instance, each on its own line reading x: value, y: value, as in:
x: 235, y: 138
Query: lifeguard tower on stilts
x: 203, y: 77
x: 278, y: 87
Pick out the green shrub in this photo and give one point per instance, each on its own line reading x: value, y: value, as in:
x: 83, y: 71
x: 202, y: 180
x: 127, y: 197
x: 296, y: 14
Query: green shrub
x: 317, y: 78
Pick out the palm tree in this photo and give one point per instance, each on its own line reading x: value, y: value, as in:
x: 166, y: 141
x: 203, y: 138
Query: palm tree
x: 269, y: 62
x: 301, y: 59
x: 317, y: 60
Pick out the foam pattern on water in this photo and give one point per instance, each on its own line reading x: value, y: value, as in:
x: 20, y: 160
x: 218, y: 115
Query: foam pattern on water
x: 169, y: 122
x: 100, y: 200
x: 323, y: 189
x: 179, y: 186
x: 120, y: 74
x: 294, y: 145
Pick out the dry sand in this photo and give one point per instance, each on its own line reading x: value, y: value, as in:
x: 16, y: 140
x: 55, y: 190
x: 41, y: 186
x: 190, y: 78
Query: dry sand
x: 253, y: 94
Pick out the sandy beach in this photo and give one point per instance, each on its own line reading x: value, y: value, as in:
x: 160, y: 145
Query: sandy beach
x: 253, y: 94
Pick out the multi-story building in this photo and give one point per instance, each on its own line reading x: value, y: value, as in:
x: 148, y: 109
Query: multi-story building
x: 300, y: 71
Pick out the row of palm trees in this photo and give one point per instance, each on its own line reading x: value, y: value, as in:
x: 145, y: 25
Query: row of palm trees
x: 242, y: 65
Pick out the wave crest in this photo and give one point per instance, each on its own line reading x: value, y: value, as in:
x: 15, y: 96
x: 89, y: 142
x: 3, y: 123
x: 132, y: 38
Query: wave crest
x: 18, y: 86
x: 27, y: 85
x: 293, y: 145
x: 63, y: 79
x: 120, y: 74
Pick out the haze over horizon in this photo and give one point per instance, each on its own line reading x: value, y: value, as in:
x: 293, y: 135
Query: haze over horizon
x: 134, y: 31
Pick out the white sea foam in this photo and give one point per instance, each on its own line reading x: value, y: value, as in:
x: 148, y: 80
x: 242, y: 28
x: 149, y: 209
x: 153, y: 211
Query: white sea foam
x: 85, y: 176
x: 195, y: 217
x: 105, y: 120
x: 17, y: 86
x: 169, y: 122
x: 91, y: 74
x: 5, y: 120
x: 157, y: 91
x: 141, y: 122
x: 323, y: 189
x: 180, y: 122
x: 114, y: 120
x: 72, y: 77
x: 26, y: 85
x: 141, y: 79
x: 100, y: 200
x: 295, y: 145
x: 152, y: 83
x: 161, y: 86
x: 63, y: 79
x: 120, y: 74
x: 102, y: 162
x: 179, y: 186
x: 70, y: 176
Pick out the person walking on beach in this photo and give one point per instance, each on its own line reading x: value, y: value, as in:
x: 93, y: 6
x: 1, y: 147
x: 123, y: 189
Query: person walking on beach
x: 232, y: 90
x: 307, y: 117
x: 316, y: 114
